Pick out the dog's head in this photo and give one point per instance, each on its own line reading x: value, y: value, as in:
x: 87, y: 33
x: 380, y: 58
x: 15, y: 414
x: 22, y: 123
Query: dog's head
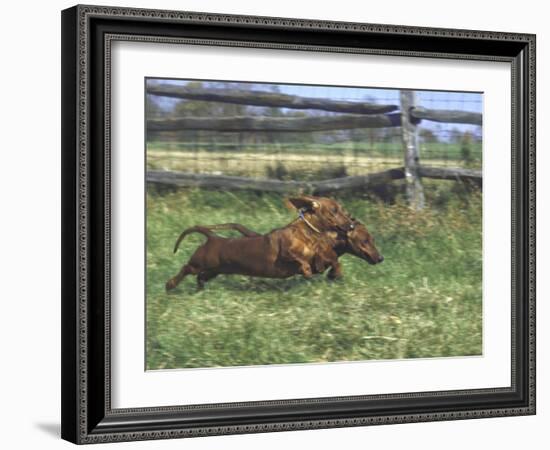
x: 360, y: 242
x: 324, y: 213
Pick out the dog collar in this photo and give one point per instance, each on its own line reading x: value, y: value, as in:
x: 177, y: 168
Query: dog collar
x: 308, y: 223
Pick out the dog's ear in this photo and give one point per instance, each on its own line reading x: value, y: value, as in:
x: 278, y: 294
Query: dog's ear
x: 304, y: 202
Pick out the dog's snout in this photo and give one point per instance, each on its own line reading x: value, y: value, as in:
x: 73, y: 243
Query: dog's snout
x: 381, y: 259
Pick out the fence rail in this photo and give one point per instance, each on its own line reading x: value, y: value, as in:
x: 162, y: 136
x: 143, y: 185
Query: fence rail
x: 359, y: 182
x: 446, y: 116
x: 271, y: 124
x: 314, y: 123
x: 271, y: 99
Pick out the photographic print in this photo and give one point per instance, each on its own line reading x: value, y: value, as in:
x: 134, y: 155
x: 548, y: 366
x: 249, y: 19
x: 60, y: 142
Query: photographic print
x: 311, y: 224
x: 300, y: 210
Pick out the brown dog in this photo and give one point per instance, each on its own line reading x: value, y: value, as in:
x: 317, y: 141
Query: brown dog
x: 329, y: 246
x: 281, y: 253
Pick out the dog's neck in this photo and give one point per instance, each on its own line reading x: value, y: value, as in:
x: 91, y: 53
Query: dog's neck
x: 314, y: 222
x: 341, y: 246
x: 313, y: 231
x: 308, y: 232
x: 308, y: 221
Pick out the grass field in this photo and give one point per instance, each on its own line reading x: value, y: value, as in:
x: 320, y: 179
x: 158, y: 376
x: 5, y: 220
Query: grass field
x: 430, y: 150
x: 261, y: 160
x: 424, y: 300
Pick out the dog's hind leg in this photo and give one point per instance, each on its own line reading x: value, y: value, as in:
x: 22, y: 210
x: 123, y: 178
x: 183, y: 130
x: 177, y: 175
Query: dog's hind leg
x: 203, y: 277
x: 174, y: 281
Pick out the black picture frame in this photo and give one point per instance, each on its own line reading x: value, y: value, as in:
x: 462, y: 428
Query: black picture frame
x: 87, y: 416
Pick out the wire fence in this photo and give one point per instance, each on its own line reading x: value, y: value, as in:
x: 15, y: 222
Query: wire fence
x: 304, y: 155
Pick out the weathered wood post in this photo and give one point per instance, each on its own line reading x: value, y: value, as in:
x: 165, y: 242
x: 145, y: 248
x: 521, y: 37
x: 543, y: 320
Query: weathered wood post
x: 409, y: 136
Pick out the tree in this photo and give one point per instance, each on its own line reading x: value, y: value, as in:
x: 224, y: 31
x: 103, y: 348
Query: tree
x: 427, y: 135
x: 466, y: 149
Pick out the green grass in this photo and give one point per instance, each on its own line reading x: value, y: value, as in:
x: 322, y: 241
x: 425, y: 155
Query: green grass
x: 424, y: 300
x: 428, y: 150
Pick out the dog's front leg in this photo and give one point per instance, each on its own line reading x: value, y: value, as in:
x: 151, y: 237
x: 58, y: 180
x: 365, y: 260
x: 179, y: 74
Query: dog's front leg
x: 305, y: 269
x: 335, y: 271
x: 305, y: 266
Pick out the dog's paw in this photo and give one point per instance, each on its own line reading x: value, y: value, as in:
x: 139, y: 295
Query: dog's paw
x: 334, y: 276
x: 170, y: 284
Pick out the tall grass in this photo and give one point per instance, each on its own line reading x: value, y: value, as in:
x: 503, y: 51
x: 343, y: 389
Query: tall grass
x: 424, y: 300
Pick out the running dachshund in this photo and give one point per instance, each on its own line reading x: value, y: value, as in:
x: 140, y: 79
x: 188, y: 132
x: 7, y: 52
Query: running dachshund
x: 310, y: 244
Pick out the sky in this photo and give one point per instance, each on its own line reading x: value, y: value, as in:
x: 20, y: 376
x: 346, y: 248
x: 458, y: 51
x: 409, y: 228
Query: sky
x: 462, y: 101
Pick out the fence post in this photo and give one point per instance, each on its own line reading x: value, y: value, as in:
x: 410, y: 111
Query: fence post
x: 409, y: 136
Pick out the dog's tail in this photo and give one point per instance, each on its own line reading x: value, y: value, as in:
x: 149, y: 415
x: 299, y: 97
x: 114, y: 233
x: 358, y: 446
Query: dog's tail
x: 235, y: 227
x: 195, y: 229
x: 207, y: 231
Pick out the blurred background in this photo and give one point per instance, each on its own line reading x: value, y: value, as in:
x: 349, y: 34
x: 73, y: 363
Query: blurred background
x: 327, y: 153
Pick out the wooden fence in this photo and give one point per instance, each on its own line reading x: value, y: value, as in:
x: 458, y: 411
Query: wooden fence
x: 185, y: 179
x: 351, y: 115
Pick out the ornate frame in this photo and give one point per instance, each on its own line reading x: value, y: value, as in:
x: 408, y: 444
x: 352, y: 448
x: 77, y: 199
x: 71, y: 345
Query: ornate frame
x: 87, y: 32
